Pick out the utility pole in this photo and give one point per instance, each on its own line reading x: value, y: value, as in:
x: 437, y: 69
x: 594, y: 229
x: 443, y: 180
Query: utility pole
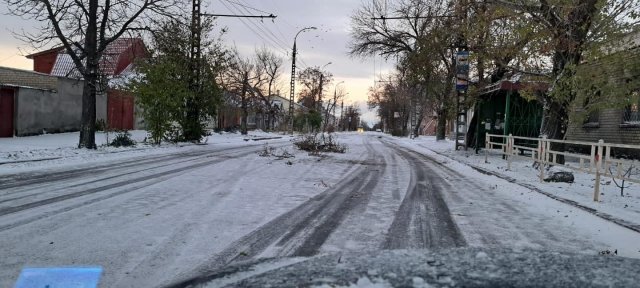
x: 335, y: 102
x: 196, y: 48
x: 342, y: 114
x: 319, y: 103
x: 293, y: 77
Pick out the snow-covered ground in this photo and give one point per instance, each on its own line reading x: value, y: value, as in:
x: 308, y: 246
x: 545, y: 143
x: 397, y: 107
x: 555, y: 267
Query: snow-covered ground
x: 625, y: 207
x: 153, y: 219
x: 21, y: 154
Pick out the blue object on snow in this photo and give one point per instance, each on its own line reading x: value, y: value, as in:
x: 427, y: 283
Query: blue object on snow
x: 76, y: 277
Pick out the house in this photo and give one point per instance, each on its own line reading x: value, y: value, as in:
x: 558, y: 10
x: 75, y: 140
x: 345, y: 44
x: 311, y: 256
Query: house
x: 230, y: 114
x: 34, y: 103
x: 619, y: 124
x: 117, y: 107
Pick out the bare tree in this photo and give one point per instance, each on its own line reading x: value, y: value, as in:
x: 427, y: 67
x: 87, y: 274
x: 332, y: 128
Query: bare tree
x: 420, y: 33
x: 85, y: 28
x: 272, y: 68
x: 314, y: 81
x: 331, y: 104
x: 244, y: 77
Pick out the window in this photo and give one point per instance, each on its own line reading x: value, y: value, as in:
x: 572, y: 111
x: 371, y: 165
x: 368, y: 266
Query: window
x: 631, y: 115
x: 592, y: 120
x: 592, y: 117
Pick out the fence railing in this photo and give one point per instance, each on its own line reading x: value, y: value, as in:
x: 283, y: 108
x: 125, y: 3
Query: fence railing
x: 599, y: 162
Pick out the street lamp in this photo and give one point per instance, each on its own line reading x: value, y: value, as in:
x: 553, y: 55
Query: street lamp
x: 293, y: 76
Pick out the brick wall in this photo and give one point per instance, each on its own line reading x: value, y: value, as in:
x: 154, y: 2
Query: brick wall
x: 24, y: 78
x: 609, y: 130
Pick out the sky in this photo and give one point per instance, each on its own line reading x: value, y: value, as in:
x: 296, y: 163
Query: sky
x: 328, y: 43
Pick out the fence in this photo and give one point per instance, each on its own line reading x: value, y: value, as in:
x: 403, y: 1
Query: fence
x: 600, y: 162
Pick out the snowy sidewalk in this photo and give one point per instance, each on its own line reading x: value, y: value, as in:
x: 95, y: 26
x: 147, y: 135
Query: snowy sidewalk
x: 19, y: 154
x: 622, y: 210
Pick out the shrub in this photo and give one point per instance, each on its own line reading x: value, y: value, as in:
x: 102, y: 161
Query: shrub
x: 315, y: 144
x: 123, y: 139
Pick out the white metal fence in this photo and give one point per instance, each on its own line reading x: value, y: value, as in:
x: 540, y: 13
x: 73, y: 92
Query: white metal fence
x: 599, y: 162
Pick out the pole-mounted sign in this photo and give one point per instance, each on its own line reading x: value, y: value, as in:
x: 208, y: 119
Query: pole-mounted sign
x: 462, y: 70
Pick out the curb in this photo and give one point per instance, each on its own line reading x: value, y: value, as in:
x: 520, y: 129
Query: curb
x: 30, y: 160
x: 624, y: 223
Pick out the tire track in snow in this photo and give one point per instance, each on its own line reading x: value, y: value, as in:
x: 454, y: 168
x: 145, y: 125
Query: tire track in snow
x: 423, y: 220
x: 128, y: 185
x: 303, y: 230
x: 46, y: 178
x: 510, y: 224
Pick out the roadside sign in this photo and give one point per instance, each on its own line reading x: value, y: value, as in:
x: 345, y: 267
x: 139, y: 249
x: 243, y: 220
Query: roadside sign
x: 462, y: 70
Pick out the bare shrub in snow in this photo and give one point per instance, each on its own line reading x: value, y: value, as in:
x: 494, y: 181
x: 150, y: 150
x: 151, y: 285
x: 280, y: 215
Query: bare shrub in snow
x: 315, y: 144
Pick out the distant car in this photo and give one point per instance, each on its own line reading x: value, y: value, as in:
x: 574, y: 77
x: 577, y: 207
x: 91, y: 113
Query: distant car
x: 378, y: 130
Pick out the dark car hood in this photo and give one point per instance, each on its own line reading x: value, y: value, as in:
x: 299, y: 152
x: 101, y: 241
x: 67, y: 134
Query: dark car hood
x: 460, y: 267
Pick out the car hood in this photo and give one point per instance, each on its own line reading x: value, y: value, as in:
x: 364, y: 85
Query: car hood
x: 460, y: 267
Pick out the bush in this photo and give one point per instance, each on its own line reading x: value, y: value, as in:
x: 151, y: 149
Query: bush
x: 173, y: 134
x: 315, y: 144
x: 123, y: 139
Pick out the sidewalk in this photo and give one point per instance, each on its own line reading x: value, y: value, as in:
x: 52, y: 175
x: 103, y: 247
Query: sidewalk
x: 624, y: 211
x: 19, y: 154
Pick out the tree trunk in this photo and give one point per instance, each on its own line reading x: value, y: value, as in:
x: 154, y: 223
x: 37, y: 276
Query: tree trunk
x: 245, y: 110
x: 416, y: 130
x: 88, y: 125
x: 441, y: 128
x: 555, y: 119
x: 89, y: 91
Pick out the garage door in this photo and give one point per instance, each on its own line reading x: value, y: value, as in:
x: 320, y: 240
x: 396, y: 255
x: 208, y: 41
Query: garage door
x: 6, y: 112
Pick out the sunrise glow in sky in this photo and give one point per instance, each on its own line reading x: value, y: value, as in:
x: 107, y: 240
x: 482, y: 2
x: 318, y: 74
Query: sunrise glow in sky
x: 315, y: 48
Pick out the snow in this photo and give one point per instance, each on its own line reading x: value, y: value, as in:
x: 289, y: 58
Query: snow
x: 579, y: 227
x: 168, y: 219
x: 365, y: 282
x: 22, y: 154
x: 165, y: 227
x: 581, y: 191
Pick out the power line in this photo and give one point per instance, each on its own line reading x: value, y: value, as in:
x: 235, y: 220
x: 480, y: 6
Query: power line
x: 262, y: 27
x: 270, y: 42
x: 246, y: 6
x: 235, y: 16
x: 260, y: 35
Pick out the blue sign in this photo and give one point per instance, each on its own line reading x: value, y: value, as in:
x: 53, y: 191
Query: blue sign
x: 462, y: 70
x: 71, y: 277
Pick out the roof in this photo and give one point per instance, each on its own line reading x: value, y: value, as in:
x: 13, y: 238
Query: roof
x: 48, y: 51
x: 29, y: 79
x: 109, y: 62
x: 514, y: 83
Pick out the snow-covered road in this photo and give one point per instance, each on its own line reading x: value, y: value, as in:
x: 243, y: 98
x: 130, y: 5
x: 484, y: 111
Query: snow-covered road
x: 160, y: 219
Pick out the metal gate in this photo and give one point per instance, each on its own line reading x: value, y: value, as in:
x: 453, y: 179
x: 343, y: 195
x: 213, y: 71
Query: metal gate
x: 120, y: 110
x: 6, y: 112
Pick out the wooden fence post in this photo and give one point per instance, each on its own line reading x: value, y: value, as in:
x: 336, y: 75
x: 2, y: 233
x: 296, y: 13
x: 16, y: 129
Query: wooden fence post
x: 598, y: 161
x: 487, y: 146
x: 541, y: 156
x: 509, y: 150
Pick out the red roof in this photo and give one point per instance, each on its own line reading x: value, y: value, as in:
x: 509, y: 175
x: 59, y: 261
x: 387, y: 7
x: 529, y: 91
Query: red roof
x: 120, y: 54
x: 54, y: 49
